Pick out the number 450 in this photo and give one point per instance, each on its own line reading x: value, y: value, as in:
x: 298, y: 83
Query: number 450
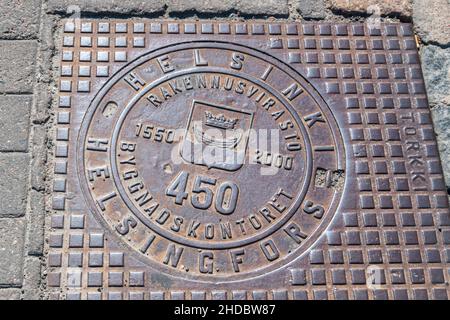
x: 224, y: 203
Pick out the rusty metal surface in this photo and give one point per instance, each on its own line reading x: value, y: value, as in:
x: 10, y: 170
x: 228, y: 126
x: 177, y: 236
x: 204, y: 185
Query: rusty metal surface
x: 245, y: 160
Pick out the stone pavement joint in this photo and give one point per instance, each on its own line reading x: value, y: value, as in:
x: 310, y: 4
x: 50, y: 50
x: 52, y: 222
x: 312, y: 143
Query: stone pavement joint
x: 35, y: 236
x: 39, y: 145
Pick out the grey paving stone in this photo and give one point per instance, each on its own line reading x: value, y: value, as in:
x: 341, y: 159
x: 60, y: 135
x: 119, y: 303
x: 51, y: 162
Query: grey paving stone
x: 267, y: 7
x: 382, y: 7
x: 436, y: 69
x: 14, y: 122
x: 19, y: 19
x: 32, y: 278
x: 9, y: 294
x: 11, y: 251
x: 441, y: 120
x: 431, y: 20
x: 312, y: 9
x: 124, y: 6
x: 14, y: 169
x: 17, y: 63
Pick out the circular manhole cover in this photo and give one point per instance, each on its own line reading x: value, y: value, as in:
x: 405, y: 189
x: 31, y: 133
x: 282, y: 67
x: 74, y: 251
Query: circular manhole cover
x: 204, y: 158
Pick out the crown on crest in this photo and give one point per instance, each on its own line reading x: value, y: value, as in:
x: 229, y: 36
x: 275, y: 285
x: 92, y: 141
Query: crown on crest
x: 219, y: 121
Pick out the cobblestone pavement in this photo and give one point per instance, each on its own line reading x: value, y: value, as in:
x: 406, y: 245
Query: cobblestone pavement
x: 28, y: 31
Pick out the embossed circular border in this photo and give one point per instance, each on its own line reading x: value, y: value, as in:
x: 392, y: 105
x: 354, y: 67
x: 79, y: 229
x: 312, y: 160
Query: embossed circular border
x: 340, y: 152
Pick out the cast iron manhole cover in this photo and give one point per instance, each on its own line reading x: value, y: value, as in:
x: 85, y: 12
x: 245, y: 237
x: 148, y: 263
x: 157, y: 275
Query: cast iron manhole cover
x: 245, y: 161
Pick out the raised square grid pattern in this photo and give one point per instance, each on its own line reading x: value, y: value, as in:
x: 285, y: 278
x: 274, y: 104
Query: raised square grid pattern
x: 399, y: 224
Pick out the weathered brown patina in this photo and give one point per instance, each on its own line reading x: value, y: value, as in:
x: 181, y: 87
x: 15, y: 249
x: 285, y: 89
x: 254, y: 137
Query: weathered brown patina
x: 245, y: 160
